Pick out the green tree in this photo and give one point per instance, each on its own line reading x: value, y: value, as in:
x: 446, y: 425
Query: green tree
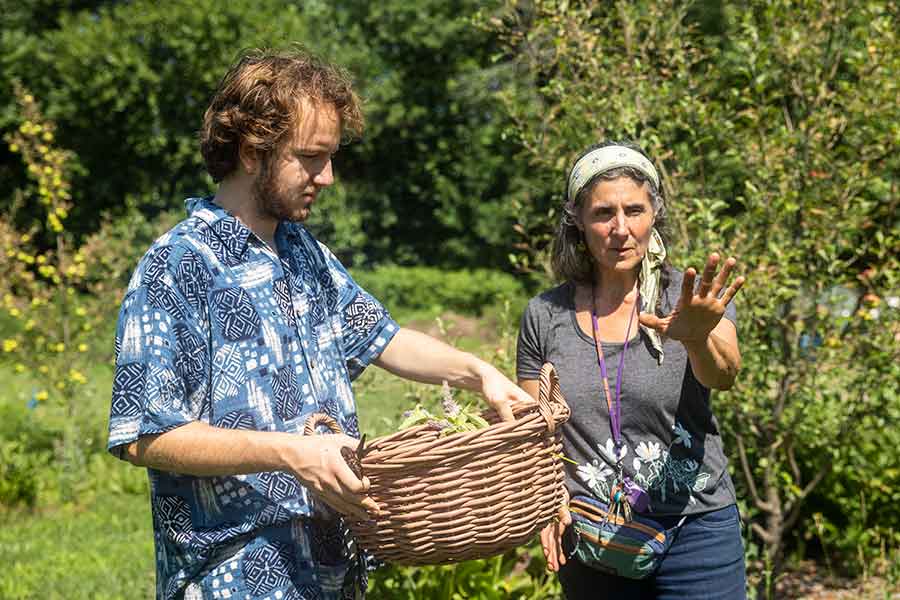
x: 127, y: 84
x: 778, y: 143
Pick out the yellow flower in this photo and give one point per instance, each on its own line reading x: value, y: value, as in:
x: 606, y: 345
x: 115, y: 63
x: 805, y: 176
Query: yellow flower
x: 14, y: 312
x: 60, y: 347
x: 55, y: 224
x: 48, y: 137
x: 44, y: 369
x: 61, y: 385
x: 29, y: 325
x: 82, y: 347
x: 41, y: 259
x: 10, y: 344
x: 20, y: 368
x: 77, y: 376
x: 41, y: 396
x: 26, y: 238
x: 13, y: 147
x: 80, y: 311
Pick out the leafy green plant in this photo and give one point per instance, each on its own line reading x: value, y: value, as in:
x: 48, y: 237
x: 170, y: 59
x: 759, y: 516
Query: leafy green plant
x: 456, y: 418
x: 516, y: 575
x: 777, y: 141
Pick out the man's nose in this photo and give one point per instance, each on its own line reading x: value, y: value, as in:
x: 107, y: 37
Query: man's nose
x: 325, y: 176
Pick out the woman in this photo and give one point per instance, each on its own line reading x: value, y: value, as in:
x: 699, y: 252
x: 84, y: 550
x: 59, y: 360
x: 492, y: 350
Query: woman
x: 645, y: 430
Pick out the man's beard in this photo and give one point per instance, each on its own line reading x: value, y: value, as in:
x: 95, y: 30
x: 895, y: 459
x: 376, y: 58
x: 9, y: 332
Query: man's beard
x: 273, y: 202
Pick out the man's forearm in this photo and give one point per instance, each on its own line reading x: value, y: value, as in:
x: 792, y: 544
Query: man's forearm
x: 203, y: 450
x: 715, y: 362
x: 420, y: 357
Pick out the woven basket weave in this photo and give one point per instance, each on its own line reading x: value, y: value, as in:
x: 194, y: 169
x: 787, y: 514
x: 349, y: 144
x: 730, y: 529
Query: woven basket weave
x: 465, y: 495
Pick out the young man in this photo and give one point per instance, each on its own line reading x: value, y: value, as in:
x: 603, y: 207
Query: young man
x: 236, y: 326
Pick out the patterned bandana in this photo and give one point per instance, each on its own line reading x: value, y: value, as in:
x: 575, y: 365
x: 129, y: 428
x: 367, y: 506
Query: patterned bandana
x: 651, y: 272
x: 605, y: 159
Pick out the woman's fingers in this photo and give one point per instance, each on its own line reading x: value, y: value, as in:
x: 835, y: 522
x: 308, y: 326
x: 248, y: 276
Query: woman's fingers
x: 548, y: 542
x: 653, y: 322
x: 687, y: 286
x: 722, y: 278
x: 709, y: 273
x: 551, y: 541
x: 733, y: 289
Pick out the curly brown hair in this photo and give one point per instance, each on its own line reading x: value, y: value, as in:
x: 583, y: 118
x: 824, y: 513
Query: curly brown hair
x: 258, y: 103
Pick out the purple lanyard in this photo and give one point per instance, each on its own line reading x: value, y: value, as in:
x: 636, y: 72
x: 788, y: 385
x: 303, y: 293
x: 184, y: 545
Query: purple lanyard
x: 615, y: 416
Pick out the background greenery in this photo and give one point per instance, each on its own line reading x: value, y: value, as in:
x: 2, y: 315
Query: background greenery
x: 776, y: 125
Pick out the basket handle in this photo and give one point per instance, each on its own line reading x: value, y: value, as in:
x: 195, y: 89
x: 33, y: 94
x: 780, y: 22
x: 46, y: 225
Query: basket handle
x: 548, y: 391
x: 316, y: 419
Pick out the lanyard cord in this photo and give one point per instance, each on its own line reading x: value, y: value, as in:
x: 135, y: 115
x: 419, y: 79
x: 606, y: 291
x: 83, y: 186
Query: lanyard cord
x: 615, y: 416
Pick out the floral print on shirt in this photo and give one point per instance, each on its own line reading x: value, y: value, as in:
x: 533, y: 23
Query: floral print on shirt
x: 655, y: 469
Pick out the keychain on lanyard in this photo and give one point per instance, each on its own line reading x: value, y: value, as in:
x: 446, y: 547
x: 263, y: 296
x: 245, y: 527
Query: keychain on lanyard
x: 625, y: 494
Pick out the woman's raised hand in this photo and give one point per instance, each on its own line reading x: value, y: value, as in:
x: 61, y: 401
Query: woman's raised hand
x: 698, y: 313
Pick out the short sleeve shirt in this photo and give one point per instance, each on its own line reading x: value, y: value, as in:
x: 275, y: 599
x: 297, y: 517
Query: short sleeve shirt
x: 216, y: 327
x: 671, y: 446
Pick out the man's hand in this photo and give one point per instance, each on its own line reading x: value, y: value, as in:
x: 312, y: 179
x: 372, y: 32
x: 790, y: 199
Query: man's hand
x: 551, y: 537
x: 317, y: 462
x: 697, y: 314
x: 500, y: 392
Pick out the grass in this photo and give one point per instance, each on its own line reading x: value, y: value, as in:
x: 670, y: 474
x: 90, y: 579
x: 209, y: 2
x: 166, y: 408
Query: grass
x: 100, y: 551
x: 102, y: 546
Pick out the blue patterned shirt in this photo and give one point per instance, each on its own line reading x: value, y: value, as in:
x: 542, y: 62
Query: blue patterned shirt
x: 217, y: 328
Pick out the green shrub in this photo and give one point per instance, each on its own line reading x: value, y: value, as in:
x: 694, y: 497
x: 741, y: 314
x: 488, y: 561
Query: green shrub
x: 467, y: 291
x: 519, y: 574
x: 19, y: 473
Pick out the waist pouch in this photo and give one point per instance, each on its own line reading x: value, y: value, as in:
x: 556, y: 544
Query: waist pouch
x: 607, y: 543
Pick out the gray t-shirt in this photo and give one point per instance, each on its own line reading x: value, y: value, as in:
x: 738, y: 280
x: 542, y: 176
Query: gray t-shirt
x: 671, y: 442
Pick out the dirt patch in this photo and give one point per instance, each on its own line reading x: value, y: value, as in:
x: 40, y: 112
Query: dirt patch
x: 810, y: 581
x: 457, y: 326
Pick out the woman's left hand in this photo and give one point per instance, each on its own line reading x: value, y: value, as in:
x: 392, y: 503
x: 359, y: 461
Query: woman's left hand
x: 697, y: 314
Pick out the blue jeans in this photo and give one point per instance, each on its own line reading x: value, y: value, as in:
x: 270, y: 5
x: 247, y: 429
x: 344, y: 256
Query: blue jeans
x: 704, y: 562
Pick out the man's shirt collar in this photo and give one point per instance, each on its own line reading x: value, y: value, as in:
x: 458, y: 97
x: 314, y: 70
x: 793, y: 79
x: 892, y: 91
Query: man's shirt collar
x: 230, y: 231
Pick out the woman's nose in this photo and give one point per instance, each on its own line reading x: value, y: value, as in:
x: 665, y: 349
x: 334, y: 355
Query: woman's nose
x: 619, y: 224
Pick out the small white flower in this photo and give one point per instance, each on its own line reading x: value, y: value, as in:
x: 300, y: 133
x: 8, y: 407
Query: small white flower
x: 682, y: 435
x: 893, y: 301
x: 648, y: 451
x: 593, y: 474
x: 607, y: 451
x: 636, y: 463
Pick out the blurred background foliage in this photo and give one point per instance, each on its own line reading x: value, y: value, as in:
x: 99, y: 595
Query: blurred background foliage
x: 776, y: 125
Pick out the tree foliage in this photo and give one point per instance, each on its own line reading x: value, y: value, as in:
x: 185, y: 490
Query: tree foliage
x: 127, y: 84
x: 778, y: 143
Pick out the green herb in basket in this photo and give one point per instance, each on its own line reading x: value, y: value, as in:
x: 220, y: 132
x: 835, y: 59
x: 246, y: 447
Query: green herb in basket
x: 456, y: 418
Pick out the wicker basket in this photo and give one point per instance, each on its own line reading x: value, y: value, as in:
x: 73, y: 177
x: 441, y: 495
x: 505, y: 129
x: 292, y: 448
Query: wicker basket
x: 465, y: 495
